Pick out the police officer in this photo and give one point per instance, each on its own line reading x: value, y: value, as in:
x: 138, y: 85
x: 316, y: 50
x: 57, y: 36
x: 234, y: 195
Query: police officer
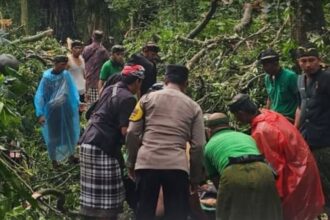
x: 168, y: 119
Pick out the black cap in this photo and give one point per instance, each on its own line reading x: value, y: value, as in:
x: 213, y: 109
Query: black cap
x: 151, y: 46
x: 117, y: 48
x: 60, y: 59
x: 307, y: 50
x: 178, y: 71
x: 268, y: 55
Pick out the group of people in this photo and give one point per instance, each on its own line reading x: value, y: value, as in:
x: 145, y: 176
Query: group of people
x: 279, y: 172
x: 304, y: 100
x: 75, y: 82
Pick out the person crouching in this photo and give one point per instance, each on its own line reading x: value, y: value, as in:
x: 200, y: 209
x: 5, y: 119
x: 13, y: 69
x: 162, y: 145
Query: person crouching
x: 246, y: 183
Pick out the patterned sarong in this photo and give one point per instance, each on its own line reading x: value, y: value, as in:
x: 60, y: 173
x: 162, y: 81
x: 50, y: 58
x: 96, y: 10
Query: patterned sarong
x: 101, y: 187
x: 93, y: 95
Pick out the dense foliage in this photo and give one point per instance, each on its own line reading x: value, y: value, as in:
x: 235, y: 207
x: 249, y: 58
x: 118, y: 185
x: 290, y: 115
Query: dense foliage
x: 222, y: 63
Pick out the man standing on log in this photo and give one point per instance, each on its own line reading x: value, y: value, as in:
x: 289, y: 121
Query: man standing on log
x: 167, y: 119
x: 281, y: 85
x: 313, y: 113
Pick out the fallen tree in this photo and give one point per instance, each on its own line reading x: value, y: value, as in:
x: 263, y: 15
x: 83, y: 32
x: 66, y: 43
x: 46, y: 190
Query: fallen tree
x: 46, y: 33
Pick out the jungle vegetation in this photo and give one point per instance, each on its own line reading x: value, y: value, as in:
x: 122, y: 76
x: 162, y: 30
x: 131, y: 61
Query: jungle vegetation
x: 218, y: 40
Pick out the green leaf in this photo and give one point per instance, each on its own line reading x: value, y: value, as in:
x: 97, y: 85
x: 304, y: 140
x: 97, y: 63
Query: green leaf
x: 12, y: 72
x: 1, y: 106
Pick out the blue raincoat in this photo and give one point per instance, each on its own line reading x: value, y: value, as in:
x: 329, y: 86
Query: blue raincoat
x: 57, y: 99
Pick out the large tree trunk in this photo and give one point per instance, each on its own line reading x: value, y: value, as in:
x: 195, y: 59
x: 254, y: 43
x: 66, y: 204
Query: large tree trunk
x: 96, y: 15
x: 24, y: 15
x: 308, y: 18
x: 58, y: 14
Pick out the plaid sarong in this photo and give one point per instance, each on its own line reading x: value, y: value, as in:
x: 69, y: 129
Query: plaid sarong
x: 93, y: 95
x: 101, y: 186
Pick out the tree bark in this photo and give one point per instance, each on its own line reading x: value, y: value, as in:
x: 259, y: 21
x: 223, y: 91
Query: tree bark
x: 24, y: 15
x: 202, y: 25
x: 58, y: 14
x: 308, y: 17
x: 199, y: 55
x: 246, y: 19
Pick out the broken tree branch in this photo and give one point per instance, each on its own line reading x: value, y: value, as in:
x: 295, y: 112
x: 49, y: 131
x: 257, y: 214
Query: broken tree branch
x: 262, y: 30
x: 279, y: 32
x: 249, y: 83
x: 202, y: 25
x: 190, y: 41
x: 246, y: 19
x: 199, y: 55
x: 227, y: 2
x: 198, y: 42
x: 36, y: 37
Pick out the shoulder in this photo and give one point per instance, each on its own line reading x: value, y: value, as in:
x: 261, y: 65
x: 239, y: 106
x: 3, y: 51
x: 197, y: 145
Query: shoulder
x: 267, y: 78
x: 261, y: 122
x: 82, y: 59
x: 323, y: 79
x: 289, y: 74
x: 149, y: 96
x: 211, y: 144
x: 107, y: 63
x: 325, y: 74
x: 123, y: 93
x: 289, y: 71
x: 88, y: 47
x: 70, y: 57
x: 103, y: 49
x: 191, y: 102
x: 215, y: 141
x: 47, y: 73
x: 141, y: 60
x: 66, y: 73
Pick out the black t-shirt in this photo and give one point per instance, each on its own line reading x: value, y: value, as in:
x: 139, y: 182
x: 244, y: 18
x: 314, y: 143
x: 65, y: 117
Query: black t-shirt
x: 150, y: 71
x: 104, y: 130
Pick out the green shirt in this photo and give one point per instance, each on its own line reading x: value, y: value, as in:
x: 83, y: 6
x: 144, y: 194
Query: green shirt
x: 283, y: 92
x: 224, y: 144
x: 108, y: 69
